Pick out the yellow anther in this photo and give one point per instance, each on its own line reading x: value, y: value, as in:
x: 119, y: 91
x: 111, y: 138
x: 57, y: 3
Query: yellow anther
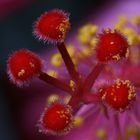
x: 127, y: 53
x: 66, y: 99
x: 84, y: 38
x: 121, y: 22
x: 130, y: 131
x: 75, y: 61
x: 93, y: 29
x: 63, y: 27
x: 86, y: 52
x: 89, y: 29
x: 56, y: 60
x: 139, y: 38
x: 131, y: 35
x: 52, y: 73
x: 72, y: 85
x: 78, y: 121
x: 71, y: 50
x: 101, y: 134
x: 133, y: 40
x: 136, y: 20
x: 128, y: 31
x: 52, y: 98
x: 107, y: 30
x: 93, y: 42
x: 86, y: 33
x: 116, y: 57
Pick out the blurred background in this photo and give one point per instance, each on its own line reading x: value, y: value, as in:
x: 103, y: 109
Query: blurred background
x: 16, y: 20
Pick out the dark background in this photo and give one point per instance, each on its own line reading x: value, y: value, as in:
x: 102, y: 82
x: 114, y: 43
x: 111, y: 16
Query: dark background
x: 16, y: 20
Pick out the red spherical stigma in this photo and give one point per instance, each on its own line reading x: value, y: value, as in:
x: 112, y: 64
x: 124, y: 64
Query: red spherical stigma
x: 112, y: 45
x: 57, y: 119
x: 23, y: 65
x: 120, y: 95
x: 52, y: 26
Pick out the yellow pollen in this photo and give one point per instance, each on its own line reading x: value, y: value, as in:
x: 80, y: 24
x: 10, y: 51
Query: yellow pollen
x: 121, y: 23
x: 71, y: 50
x: 66, y: 99
x: 86, y: 52
x: 63, y: 27
x: 21, y: 73
x: 127, y: 53
x: 72, y: 85
x: 56, y: 60
x: 86, y: 33
x: 64, y: 114
x: 101, y: 134
x: 32, y: 64
x: 131, y: 89
x: 52, y: 98
x: 136, y: 20
x: 104, y: 96
x: 52, y: 73
x: 93, y: 43
x: 78, y: 121
x: 107, y: 30
x: 116, y: 57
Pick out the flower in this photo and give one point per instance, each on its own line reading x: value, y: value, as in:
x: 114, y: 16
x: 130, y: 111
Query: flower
x: 102, y: 117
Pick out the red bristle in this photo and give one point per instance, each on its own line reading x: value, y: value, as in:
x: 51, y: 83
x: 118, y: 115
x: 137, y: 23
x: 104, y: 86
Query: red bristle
x: 23, y: 65
x: 120, y: 95
x: 57, y: 119
x: 52, y: 26
x: 112, y: 45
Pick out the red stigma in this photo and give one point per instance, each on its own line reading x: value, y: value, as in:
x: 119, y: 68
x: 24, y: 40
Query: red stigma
x: 52, y: 26
x: 57, y: 119
x: 23, y: 65
x: 120, y: 95
x: 112, y: 45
